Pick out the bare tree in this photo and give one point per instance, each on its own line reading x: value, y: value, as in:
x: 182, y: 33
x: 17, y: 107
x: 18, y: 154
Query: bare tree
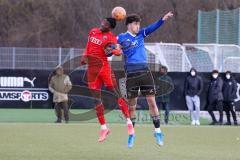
x: 66, y: 23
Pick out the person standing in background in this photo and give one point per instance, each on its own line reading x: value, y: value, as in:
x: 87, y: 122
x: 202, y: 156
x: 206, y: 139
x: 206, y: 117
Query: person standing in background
x: 215, y: 97
x: 60, y: 85
x: 229, y: 94
x: 163, y: 100
x: 193, y: 88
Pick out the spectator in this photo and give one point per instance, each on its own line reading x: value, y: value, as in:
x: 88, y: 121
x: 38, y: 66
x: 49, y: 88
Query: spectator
x: 163, y: 100
x: 193, y: 88
x: 60, y: 85
x: 215, y: 97
x: 229, y: 94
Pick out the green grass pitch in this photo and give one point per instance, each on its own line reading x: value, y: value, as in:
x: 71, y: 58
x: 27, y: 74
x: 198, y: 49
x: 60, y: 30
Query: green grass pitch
x: 48, y: 141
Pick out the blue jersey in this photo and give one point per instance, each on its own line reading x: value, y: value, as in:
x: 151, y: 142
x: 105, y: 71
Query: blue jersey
x: 135, y: 55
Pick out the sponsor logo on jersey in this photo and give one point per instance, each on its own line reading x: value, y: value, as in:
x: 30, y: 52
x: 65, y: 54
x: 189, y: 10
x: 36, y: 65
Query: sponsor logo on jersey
x: 95, y: 40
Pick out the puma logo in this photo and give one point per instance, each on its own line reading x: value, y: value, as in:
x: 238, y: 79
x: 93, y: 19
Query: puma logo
x: 25, y: 79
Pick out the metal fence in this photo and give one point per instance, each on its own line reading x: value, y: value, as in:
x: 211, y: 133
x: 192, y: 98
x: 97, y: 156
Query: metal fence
x: 212, y: 56
x: 218, y: 26
x: 178, y: 58
x: 35, y: 58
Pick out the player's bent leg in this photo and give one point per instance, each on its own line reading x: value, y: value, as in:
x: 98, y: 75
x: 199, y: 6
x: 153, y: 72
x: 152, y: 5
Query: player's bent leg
x: 99, y: 108
x: 101, y: 119
x: 157, y: 133
x: 110, y: 83
x: 132, y: 108
x: 132, y: 101
x: 124, y: 107
x: 156, y: 119
x: 153, y: 109
x: 125, y: 110
x: 121, y: 102
x: 100, y: 115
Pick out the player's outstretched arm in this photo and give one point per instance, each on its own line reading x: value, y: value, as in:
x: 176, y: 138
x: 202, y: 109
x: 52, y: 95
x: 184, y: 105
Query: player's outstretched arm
x: 152, y: 27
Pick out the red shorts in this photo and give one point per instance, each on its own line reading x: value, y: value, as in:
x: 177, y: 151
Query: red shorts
x: 99, y: 77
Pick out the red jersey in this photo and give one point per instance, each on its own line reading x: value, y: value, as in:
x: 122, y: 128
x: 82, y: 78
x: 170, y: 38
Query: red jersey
x: 96, y: 42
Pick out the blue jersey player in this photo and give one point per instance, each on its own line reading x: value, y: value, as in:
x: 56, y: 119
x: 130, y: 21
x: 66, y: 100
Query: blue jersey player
x: 139, y: 76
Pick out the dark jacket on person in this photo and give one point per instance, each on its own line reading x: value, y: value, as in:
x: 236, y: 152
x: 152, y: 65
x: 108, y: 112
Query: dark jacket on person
x: 215, y: 90
x: 193, y: 85
x: 229, y: 89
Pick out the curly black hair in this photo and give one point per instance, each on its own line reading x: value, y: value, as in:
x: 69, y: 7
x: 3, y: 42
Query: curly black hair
x: 112, y: 22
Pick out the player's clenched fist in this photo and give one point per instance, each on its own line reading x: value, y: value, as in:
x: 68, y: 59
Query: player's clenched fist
x: 167, y: 16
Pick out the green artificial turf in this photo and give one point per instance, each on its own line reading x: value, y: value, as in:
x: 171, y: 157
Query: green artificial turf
x: 48, y: 141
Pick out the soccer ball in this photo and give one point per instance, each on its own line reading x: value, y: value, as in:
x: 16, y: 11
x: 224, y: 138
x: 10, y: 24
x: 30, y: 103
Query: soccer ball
x: 119, y: 13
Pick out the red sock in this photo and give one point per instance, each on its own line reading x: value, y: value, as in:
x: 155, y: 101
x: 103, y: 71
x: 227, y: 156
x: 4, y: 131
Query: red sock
x: 100, y: 114
x: 124, y: 107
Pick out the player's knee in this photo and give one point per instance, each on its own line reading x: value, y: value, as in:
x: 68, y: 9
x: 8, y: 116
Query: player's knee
x: 132, y: 108
x: 97, y: 101
x: 132, y: 102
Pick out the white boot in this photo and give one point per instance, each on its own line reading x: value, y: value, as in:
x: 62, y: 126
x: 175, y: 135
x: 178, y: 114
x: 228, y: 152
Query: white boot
x: 193, y: 123
x: 197, y: 122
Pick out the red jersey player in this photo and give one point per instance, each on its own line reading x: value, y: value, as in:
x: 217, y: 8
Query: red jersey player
x: 99, y: 72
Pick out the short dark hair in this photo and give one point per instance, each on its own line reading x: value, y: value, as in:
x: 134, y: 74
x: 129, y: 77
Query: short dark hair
x: 132, y: 18
x: 193, y: 69
x: 164, y: 67
x: 112, y: 22
x: 228, y: 72
x: 215, y: 71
